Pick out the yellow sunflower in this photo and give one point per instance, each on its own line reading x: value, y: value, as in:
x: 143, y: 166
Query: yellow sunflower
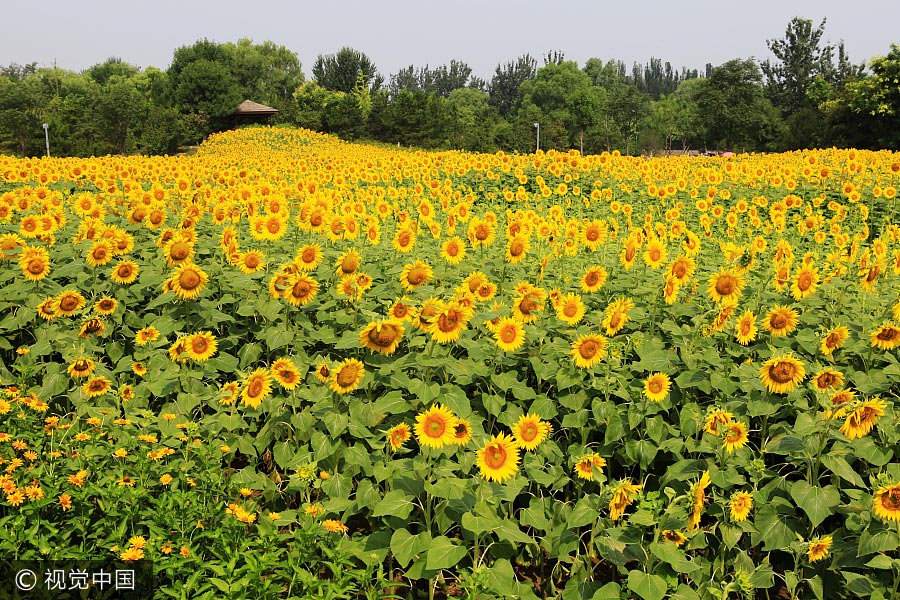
x: 781, y: 320
x: 586, y: 465
x: 105, y: 305
x: 657, y: 386
x: 570, y: 309
x: 188, y: 281
x: 454, y: 250
x: 623, y: 495
x: 654, y: 254
x: 740, y: 506
x: 285, y: 373
x: 725, y: 286
x: 818, y: 548
x: 382, y: 336
x: 517, y: 249
x: 256, y: 388
x: 593, y: 279
x: 886, y: 337
x: 96, y: 387
x: 125, y: 272
x: 398, y: 435
x: 745, y: 329
x: 781, y: 374
x: 886, y: 502
x: 251, y: 261
x: 499, y: 459
x: 698, y: 495
x: 826, y: 379
x: 734, y: 436
x: 415, y: 274
x: 347, y: 376
x: 81, y: 367
x: 676, y: 537
x: 588, y: 350
x: 862, y: 419
x: 509, y: 334
x: 35, y: 263
x: 462, y: 433
x: 806, y: 280
x: 529, y: 431
x: 834, y: 339
x: 450, y: 322
x: 308, y: 257
x: 435, y: 428
x: 300, y: 290
x: 69, y: 302
x: 200, y: 346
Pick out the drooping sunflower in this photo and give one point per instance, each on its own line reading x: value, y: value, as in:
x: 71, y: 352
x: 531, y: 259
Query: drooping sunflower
x: 585, y: 466
x: 886, y: 502
x: 886, y: 337
x: 676, y: 537
x: 347, y: 376
x: 570, y: 309
x: 200, y: 346
x: 734, y: 436
x: 740, y: 505
x: 529, y: 431
x: 382, y: 336
x: 745, y: 329
x: 818, y: 548
x: 285, y: 373
x: 96, y: 386
x: 617, y: 315
x: 698, y: 495
x: 450, y: 322
x: 623, y: 495
x: 594, y: 279
x: 415, y: 274
x: 588, y: 350
x: 781, y: 320
x: 454, y: 250
x: 509, y: 334
x: 862, y: 419
x: 657, y: 386
x: 781, y: 374
x: 81, y: 367
x: 725, y: 286
x: 188, y: 281
x: 435, y: 428
x: 256, y: 388
x: 105, y: 305
x: 499, y: 459
x: 93, y: 326
x: 462, y: 432
x: 834, y: 339
x: 125, y: 272
x: 398, y: 435
x: 300, y: 290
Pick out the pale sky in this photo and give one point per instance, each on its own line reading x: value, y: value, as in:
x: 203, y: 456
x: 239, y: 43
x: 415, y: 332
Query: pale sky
x: 395, y: 34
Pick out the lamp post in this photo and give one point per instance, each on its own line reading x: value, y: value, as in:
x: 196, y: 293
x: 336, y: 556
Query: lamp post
x: 47, y: 138
x: 537, y: 126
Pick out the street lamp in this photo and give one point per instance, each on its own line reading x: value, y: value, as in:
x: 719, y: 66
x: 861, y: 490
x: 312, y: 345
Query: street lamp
x: 47, y: 138
x: 538, y: 141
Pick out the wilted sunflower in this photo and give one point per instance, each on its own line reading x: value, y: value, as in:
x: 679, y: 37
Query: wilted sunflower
x: 585, y: 466
x: 698, y: 494
x: 200, y: 346
x: 781, y: 374
x: 256, y: 388
x: 398, y: 435
x: 657, y: 386
x: 886, y: 502
x: 741, y: 504
x: 285, y: 373
x: 93, y: 326
x: 188, y: 281
x: 48, y: 309
x: 862, y: 419
x: 347, y: 376
x: 529, y: 431
x: 886, y: 337
x: 509, y: 334
x: 435, y: 428
x: 382, y: 336
x: 781, y: 320
x: 623, y: 496
x: 834, y: 339
x: 499, y: 459
x: 588, y: 350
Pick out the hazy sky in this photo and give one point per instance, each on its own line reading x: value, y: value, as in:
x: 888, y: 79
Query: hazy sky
x: 395, y: 34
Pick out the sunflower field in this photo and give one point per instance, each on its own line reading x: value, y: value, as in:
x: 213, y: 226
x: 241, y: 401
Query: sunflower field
x: 293, y: 367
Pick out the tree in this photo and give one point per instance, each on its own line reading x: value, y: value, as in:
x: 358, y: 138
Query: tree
x: 876, y: 99
x: 341, y: 71
x: 21, y: 113
x: 207, y: 88
x: 267, y: 73
x: 111, y: 67
x: 566, y: 101
x: 119, y: 109
x: 504, y: 86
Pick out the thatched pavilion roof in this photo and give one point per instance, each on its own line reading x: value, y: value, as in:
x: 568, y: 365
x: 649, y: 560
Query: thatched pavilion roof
x: 248, y: 107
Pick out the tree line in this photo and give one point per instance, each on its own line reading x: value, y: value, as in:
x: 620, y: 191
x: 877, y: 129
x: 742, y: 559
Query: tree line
x: 810, y: 95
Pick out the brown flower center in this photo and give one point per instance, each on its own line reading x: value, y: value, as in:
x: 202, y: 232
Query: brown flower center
x: 782, y: 372
x: 888, y: 334
x: 495, y: 456
x: 189, y: 279
x: 347, y: 375
x: 725, y: 285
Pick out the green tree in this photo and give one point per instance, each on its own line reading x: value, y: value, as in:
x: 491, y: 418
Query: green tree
x: 504, y: 85
x: 22, y: 104
x: 207, y: 88
x: 876, y: 99
x: 120, y: 109
x: 341, y: 71
x: 267, y: 73
x: 111, y: 67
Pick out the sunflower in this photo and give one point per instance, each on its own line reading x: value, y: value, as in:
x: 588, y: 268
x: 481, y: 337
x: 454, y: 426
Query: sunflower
x: 499, y: 459
x: 594, y: 279
x: 256, y: 388
x: 805, y: 282
x: 347, y: 376
x: 251, y: 261
x: 657, y: 386
x: 734, y: 436
x: 863, y: 418
x: 177, y: 251
x: 654, y: 254
x: 48, y: 309
x: 415, y: 274
x: 827, y: 378
x: 348, y: 262
x: 285, y: 373
x: 529, y: 431
x: 125, y: 272
x: 570, y: 309
x: 781, y: 320
x: 629, y: 253
x: 323, y: 372
x: 81, y: 367
x: 96, y: 387
x: 93, y: 326
x: 682, y: 268
x: 462, y: 433
x: 740, y: 505
x: 177, y: 351
x: 517, y: 249
x: 623, y: 496
x: 585, y: 466
x: 35, y: 263
x: 509, y: 333
x: 398, y: 435
x: 308, y: 257
x: 69, y: 302
x: 335, y: 526
x: 818, y: 548
x: 404, y: 240
x: 698, y: 493
x: 435, y: 428
x: 527, y: 305
x: 382, y: 336
x: 99, y: 254
x: 588, y: 350
x: 481, y: 232
x: 138, y: 369
x: 725, y: 286
x: 450, y: 322
x: 200, y: 346
x: 745, y: 329
x: 105, y: 305
x: 886, y: 502
x: 228, y: 393
x: 400, y: 311
x: 188, y: 281
x: 781, y: 374
x: 676, y: 537
x: 886, y: 337
x: 617, y: 315
x: 454, y: 250
x: 301, y: 290
x: 834, y: 339
x: 146, y: 335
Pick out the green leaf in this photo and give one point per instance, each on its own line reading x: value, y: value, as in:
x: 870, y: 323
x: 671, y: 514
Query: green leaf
x: 684, y: 593
x: 880, y: 541
x: 674, y: 557
x: 509, y: 531
x: 406, y: 546
x: 816, y: 502
x: 443, y: 553
x: 610, y: 591
x: 583, y: 514
x: 478, y: 524
x: 394, y: 504
x: 840, y: 467
x: 278, y: 337
x: 771, y: 529
x: 880, y: 561
x: 648, y: 587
